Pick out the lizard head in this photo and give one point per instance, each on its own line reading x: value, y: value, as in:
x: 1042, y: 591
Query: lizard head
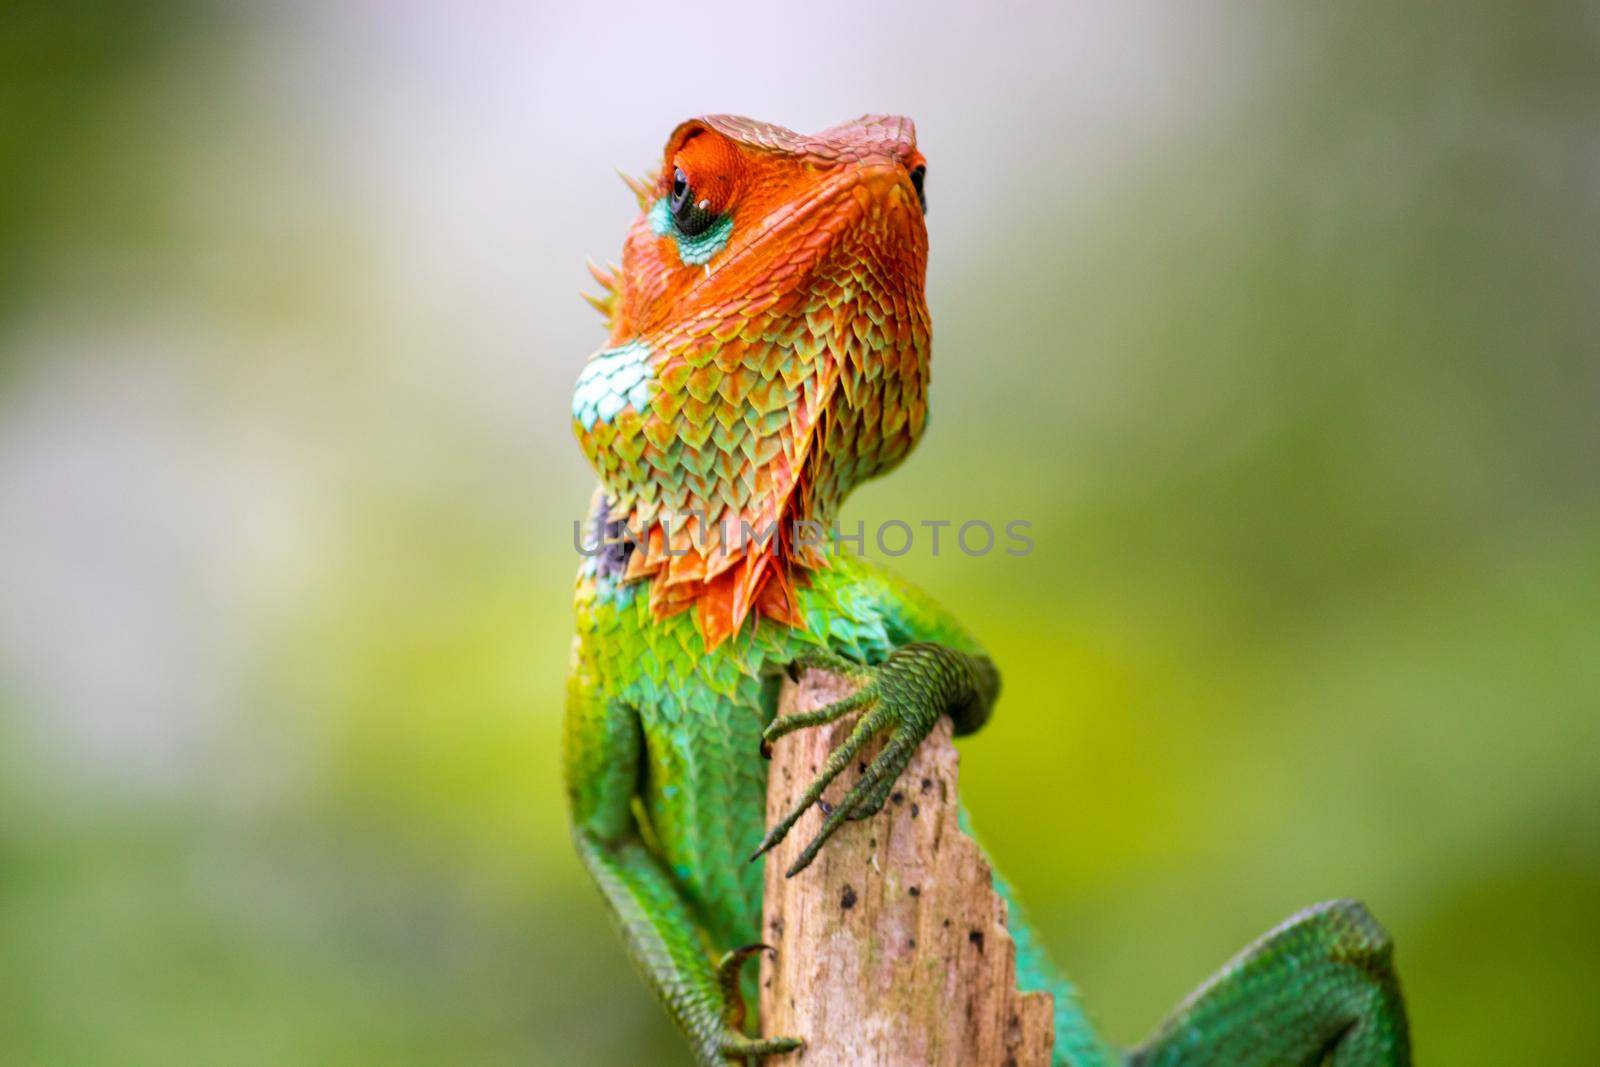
x: 740, y: 211
x: 768, y: 352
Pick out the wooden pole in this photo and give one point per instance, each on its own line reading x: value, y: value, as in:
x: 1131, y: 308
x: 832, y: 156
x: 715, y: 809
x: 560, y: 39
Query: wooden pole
x: 892, y: 947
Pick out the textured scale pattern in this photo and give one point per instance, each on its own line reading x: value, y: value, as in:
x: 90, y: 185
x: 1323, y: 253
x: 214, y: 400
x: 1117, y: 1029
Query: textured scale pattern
x: 817, y: 295
x: 614, y: 379
x: 757, y: 369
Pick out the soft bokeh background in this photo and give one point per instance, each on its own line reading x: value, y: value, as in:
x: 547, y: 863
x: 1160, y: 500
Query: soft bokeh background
x: 1280, y: 324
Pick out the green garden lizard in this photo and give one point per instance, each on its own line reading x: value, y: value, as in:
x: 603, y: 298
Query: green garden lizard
x: 768, y: 351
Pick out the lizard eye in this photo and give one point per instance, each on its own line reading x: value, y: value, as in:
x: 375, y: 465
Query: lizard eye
x: 918, y: 176
x: 691, y: 218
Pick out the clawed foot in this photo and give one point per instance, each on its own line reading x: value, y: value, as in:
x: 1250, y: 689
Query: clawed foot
x: 904, y: 697
x: 733, y: 1043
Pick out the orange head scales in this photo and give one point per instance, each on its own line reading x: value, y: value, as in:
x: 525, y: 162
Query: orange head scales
x: 768, y: 352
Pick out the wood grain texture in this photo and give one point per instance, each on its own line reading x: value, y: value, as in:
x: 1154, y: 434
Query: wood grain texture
x: 892, y: 948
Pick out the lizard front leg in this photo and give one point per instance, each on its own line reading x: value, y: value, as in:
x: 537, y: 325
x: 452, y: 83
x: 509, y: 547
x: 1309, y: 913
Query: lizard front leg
x: 902, y: 697
x: 933, y: 667
x: 910, y: 617
x: 603, y: 749
x: 1319, y: 991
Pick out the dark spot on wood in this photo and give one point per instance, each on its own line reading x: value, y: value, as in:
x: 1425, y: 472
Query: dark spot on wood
x: 915, y: 811
x: 976, y: 937
x: 911, y: 943
x: 1014, y: 1031
x: 947, y: 923
x: 898, y: 797
x: 824, y: 807
x: 847, y: 899
x: 872, y: 842
x: 916, y: 891
x: 777, y: 928
x: 861, y: 768
x: 927, y: 784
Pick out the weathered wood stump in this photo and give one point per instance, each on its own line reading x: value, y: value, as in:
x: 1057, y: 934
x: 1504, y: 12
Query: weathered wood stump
x: 892, y: 948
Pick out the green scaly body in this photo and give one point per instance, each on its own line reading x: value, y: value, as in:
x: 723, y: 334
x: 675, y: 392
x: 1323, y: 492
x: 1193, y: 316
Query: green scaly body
x: 701, y: 793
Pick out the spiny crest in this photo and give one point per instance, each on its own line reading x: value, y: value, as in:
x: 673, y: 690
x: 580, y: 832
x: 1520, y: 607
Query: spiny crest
x: 643, y: 187
x: 606, y: 278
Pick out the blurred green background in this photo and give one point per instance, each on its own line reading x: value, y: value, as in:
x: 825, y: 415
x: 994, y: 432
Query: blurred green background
x: 1279, y: 322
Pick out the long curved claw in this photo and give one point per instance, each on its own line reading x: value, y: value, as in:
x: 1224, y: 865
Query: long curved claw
x: 838, y: 760
x: 873, y: 803
x: 788, y: 724
x: 906, y: 694
x: 728, y: 969
x: 734, y: 1043
x: 871, y: 787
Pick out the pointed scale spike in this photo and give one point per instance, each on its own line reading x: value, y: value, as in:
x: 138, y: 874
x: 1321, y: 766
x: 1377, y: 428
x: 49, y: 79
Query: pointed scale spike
x: 605, y: 276
x: 642, y: 189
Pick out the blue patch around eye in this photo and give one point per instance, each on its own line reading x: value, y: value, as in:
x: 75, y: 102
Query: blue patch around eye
x: 695, y: 250
x: 611, y: 380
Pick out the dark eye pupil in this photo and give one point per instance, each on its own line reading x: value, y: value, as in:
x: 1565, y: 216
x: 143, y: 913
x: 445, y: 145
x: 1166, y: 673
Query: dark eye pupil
x: 690, y: 218
x: 918, y: 175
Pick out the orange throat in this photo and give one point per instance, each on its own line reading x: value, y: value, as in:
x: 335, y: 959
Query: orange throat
x: 768, y: 352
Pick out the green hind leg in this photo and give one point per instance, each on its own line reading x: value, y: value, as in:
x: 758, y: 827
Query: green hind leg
x: 1319, y: 991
